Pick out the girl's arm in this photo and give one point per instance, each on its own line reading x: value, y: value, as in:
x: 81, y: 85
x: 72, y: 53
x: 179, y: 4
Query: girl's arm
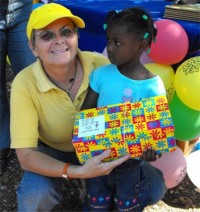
x: 90, y: 100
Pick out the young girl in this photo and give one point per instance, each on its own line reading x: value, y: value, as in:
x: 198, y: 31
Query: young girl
x: 134, y: 184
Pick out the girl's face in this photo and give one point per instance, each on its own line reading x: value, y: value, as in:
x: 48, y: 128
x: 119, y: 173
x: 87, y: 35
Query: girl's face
x: 59, y: 50
x: 123, y: 47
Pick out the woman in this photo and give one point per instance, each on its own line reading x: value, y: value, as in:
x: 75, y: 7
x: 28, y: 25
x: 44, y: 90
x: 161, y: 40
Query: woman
x: 44, y: 100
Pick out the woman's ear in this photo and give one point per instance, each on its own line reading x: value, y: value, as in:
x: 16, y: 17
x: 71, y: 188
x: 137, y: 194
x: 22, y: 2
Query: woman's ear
x: 32, y: 47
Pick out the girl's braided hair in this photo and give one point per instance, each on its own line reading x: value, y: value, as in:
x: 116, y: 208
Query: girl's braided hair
x: 137, y: 21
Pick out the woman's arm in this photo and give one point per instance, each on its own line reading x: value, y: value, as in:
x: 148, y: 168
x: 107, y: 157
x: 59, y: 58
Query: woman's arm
x: 34, y: 161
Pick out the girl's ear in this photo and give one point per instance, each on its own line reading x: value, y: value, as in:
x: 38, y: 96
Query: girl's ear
x: 32, y: 47
x: 143, y: 46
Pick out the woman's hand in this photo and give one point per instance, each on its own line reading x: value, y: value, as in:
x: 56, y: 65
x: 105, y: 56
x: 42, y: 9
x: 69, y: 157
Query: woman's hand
x: 150, y: 155
x: 94, y: 167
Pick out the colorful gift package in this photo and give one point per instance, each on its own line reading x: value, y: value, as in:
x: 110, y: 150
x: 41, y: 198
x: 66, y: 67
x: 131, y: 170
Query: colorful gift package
x: 124, y: 128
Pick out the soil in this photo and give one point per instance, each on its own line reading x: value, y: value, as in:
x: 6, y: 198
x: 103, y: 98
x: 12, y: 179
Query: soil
x: 184, y: 197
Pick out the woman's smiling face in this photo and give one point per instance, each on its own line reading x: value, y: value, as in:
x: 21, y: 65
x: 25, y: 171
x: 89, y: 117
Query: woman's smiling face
x: 60, y: 50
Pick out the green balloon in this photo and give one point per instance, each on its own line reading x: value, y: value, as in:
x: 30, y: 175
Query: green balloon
x: 186, y: 120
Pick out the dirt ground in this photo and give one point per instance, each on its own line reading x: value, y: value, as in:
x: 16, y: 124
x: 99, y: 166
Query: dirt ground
x: 182, y: 198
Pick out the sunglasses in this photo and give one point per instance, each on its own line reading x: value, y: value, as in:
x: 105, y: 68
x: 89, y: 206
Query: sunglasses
x: 49, y: 35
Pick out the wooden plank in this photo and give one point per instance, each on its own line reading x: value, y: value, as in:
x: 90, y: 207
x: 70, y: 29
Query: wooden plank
x: 35, y: 1
x: 186, y: 146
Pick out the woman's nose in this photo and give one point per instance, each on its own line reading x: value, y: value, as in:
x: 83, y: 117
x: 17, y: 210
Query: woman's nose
x: 59, y: 38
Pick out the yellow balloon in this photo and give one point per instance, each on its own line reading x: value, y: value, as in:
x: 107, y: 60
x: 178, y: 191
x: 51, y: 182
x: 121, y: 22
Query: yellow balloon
x: 8, y: 60
x: 187, y: 82
x: 166, y: 73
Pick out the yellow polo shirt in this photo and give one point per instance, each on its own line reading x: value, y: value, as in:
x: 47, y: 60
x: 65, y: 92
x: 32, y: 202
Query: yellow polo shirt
x: 39, y: 109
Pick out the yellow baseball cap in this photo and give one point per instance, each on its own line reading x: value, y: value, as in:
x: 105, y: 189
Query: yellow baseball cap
x: 46, y: 14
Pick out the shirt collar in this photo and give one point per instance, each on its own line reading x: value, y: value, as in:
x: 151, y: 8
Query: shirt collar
x: 43, y: 82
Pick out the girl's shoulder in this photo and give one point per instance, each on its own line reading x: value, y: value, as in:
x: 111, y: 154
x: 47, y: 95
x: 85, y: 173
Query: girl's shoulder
x: 106, y: 68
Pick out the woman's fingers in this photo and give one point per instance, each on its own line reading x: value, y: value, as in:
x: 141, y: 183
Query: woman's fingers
x: 96, y: 166
x: 103, y: 155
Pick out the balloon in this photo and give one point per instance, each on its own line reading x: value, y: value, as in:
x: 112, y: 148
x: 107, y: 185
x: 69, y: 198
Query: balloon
x: 8, y: 60
x: 144, y: 59
x: 166, y: 73
x: 105, y: 52
x: 187, y: 82
x: 173, y: 165
x: 193, y: 168
x: 186, y: 120
x: 171, y: 44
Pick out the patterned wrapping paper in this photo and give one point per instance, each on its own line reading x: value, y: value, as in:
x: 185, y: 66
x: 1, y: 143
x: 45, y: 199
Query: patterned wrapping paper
x: 124, y: 128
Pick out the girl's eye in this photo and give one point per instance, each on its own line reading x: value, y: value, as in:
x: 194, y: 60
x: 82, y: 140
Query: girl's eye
x: 117, y: 43
x: 113, y: 43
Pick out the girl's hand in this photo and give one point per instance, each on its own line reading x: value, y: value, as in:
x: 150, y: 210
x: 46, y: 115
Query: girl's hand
x: 149, y: 155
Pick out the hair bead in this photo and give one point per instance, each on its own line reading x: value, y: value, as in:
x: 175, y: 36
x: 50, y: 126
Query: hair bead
x: 118, y: 11
x: 146, y: 35
x: 145, y: 17
x: 148, y: 51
